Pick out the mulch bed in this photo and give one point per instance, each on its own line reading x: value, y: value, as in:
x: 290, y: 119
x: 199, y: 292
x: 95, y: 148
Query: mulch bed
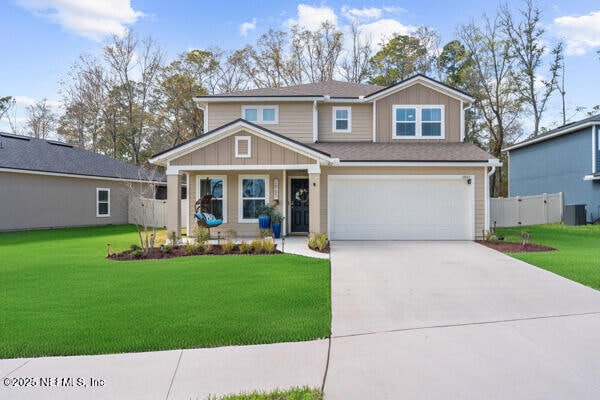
x: 511, y: 247
x: 157, y: 253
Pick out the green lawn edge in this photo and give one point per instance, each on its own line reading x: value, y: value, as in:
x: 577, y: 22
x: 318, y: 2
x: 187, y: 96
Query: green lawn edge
x: 578, y: 250
x: 296, y: 393
x: 61, y: 296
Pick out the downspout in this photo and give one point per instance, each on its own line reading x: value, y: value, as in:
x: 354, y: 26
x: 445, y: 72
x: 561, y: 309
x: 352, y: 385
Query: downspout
x: 486, y: 225
x: 462, y: 122
x: 315, y: 122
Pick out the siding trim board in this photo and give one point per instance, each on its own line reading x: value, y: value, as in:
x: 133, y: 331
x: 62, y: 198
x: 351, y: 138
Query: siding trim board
x: 59, y: 174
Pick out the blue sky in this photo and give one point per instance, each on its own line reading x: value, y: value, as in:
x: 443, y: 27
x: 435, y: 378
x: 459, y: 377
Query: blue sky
x: 42, y: 38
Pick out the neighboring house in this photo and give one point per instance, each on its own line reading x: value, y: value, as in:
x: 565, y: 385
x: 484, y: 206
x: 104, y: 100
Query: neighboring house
x: 565, y: 159
x: 355, y: 161
x: 46, y: 184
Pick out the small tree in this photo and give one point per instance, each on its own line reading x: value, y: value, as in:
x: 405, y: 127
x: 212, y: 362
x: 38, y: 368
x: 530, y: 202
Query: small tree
x: 143, y: 208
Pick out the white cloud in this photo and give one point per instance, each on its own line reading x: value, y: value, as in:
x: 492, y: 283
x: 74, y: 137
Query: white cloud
x: 393, y: 9
x: 247, y: 26
x: 383, y: 29
x: 24, y: 101
x: 312, y: 17
x: 361, y: 13
x: 88, y: 18
x: 581, y: 33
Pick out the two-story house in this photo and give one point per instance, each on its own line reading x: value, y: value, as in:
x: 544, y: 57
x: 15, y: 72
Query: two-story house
x: 359, y: 162
x: 565, y: 159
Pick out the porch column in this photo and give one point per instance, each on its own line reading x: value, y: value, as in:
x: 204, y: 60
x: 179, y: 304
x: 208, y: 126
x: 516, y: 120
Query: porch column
x: 191, y: 195
x: 174, y: 204
x: 314, y: 205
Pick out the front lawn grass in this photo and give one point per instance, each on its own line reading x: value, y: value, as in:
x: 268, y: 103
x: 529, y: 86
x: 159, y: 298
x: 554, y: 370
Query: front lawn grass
x: 303, y: 393
x: 60, y: 296
x: 578, y: 255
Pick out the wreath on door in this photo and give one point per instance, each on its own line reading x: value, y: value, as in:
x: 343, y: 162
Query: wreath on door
x: 301, y: 196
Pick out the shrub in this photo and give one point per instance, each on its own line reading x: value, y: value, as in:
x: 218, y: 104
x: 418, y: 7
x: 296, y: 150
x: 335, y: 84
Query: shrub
x: 202, y: 235
x: 166, y: 249
x: 318, y: 241
x: 200, y: 248
x: 256, y: 246
x: 263, y: 233
x: 491, y: 237
x: 135, y: 247
x: 190, y: 249
x: 268, y: 246
x: 245, y: 248
x: 228, y: 246
x: 137, y: 253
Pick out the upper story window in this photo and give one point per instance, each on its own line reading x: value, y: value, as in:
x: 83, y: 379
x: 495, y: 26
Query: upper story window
x: 342, y: 119
x: 261, y: 114
x: 418, y: 122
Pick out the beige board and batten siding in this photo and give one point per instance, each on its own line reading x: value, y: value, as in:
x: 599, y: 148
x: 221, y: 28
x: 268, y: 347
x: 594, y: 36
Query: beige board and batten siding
x: 242, y: 229
x: 31, y: 201
x: 222, y: 152
x: 477, y: 172
x: 418, y: 94
x: 294, y: 119
x: 361, y: 123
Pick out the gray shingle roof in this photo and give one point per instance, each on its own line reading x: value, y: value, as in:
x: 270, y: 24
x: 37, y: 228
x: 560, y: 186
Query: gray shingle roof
x: 331, y: 88
x: 555, y: 132
x: 402, y: 151
x: 26, y: 153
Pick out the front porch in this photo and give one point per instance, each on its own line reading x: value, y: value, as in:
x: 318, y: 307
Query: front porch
x: 294, y: 190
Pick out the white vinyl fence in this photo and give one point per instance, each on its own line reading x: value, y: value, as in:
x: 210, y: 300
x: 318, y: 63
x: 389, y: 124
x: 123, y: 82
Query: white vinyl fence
x: 154, y: 212
x: 148, y: 212
x: 526, y: 210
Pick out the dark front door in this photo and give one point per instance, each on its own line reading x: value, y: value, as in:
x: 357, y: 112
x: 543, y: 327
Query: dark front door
x: 299, y: 197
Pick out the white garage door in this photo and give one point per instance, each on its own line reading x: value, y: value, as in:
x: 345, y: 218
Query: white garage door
x: 401, y: 207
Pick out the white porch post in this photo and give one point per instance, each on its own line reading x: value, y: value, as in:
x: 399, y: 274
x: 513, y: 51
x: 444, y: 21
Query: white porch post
x: 314, y: 204
x: 174, y: 203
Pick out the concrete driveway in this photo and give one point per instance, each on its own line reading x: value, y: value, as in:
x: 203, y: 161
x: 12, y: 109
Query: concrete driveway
x: 457, y: 320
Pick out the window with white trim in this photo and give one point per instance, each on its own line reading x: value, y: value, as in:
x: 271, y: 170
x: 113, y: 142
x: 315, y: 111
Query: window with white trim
x: 261, y: 114
x: 217, y: 187
x: 243, y: 147
x: 102, y: 202
x: 254, y: 191
x: 342, y: 119
x: 418, y: 122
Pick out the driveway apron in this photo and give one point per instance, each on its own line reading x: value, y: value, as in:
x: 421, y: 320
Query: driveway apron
x: 457, y: 320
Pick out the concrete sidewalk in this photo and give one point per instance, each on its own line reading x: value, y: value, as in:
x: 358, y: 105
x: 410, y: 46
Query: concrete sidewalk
x: 176, y: 374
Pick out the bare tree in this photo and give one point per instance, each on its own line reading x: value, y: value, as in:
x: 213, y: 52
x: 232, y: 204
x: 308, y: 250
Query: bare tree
x: 315, y: 53
x: 355, y: 65
x: 529, y: 48
x: 5, y: 105
x: 128, y: 59
x: 84, y: 95
x: 495, y: 86
x: 41, y: 120
x: 143, y: 209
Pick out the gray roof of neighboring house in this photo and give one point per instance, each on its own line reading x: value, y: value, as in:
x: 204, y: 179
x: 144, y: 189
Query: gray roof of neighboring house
x: 561, y: 130
x: 399, y: 151
x: 27, y: 153
x: 331, y: 88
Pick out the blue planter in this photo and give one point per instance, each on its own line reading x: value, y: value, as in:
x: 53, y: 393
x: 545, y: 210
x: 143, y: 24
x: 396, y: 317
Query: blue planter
x: 264, y: 222
x: 276, y: 230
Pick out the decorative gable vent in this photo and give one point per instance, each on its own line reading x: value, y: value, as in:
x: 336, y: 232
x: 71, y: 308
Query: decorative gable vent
x: 243, y: 147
